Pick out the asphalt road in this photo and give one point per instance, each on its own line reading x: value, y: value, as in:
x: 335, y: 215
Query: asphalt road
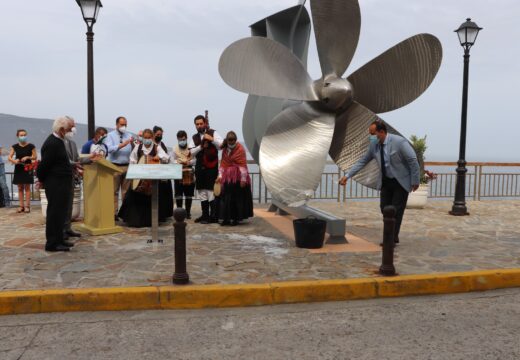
x: 467, y: 326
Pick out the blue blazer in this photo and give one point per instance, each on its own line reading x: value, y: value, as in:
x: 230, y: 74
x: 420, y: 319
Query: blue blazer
x: 403, y: 162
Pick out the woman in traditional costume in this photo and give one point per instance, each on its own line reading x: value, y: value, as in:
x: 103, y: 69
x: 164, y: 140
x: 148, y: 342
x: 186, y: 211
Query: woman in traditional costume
x: 236, y: 199
x: 136, y: 209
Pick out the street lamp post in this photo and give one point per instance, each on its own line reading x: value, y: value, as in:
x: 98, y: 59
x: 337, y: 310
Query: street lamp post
x: 90, y: 10
x: 467, y: 33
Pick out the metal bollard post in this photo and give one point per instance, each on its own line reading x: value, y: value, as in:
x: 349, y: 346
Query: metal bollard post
x: 387, y: 268
x: 180, y: 277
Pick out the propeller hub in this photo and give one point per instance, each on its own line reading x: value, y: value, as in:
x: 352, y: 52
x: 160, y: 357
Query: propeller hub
x: 335, y: 94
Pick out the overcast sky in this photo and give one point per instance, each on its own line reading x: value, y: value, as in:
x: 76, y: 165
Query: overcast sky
x: 156, y: 63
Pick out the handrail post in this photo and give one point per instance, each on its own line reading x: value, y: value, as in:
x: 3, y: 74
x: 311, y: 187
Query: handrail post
x: 479, y: 182
x: 180, y: 277
x: 475, y: 183
x: 387, y: 268
x: 265, y: 193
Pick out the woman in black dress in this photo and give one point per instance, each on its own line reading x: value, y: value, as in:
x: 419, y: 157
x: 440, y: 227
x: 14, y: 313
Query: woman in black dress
x: 20, y: 155
x: 236, y: 200
x: 165, y: 186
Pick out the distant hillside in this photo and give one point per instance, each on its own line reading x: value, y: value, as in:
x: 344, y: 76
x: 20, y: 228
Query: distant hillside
x: 38, y: 130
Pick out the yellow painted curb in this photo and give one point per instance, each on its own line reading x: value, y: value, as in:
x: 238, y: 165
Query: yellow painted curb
x: 206, y: 296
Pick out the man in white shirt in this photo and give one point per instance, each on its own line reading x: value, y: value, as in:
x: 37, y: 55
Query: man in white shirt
x: 120, y: 144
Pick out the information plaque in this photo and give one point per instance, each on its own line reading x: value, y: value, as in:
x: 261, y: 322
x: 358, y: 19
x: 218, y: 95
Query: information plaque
x: 154, y: 172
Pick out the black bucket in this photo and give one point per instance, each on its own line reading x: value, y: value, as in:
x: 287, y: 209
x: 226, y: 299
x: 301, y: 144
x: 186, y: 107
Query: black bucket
x: 309, y: 233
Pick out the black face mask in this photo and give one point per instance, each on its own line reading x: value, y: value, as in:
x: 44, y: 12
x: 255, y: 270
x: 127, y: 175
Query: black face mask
x: 158, y: 139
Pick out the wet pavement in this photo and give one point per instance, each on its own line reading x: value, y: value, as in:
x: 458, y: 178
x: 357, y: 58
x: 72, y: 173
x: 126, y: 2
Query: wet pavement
x: 431, y: 241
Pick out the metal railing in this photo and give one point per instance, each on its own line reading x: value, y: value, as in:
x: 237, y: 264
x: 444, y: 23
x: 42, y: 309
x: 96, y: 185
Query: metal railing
x: 483, y: 181
x: 35, y: 196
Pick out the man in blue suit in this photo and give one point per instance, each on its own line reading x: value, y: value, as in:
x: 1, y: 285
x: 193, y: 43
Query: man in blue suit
x: 398, y: 165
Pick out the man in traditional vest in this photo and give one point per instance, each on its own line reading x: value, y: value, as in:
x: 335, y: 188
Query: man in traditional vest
x: 204, y: 146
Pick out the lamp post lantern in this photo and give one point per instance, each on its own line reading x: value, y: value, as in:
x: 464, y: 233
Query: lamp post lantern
x: 90, y: 10
x: 467, y: 33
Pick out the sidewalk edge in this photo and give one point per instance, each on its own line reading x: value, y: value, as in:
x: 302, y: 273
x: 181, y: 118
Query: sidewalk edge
x: 215, y: 296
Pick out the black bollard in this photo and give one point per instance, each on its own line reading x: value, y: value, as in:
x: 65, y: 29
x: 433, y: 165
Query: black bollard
x: 387, y: 268
x: 180, y: 277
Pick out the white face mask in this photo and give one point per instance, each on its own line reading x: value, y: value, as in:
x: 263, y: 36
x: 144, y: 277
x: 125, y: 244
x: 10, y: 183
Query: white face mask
x: 74, y: 130
x: 122, y: 129
x: 69, y: 136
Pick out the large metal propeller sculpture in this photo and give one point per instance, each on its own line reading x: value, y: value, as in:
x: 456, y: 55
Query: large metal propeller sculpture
x: 333, y: 113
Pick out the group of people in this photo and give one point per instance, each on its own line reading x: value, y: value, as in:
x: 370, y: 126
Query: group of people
x: 60, y: 169
x: 199, y: 157
x: 224, y: 187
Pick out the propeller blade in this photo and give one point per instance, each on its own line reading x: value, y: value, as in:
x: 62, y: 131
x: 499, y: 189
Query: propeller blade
x: 293, y: 152
x: 337, y: 24
x: 264, y: 67
x: 398, y: 76
x: 248, y: 127
x: 259, y: 112
x: 350, y: 143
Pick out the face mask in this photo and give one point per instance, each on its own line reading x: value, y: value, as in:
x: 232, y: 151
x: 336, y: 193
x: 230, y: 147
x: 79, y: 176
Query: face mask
x: 232, y: 146
x: 158, y: 139
x: 22, y: 138
x: 373, y: 139
x: 147, y: 142
x: 183, y: 143
x: 69, y: 135
x: 74, y: 130
x: 122, y: 129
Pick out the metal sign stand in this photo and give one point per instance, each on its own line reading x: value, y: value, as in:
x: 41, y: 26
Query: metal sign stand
x: 155, y: 213
x: 155, y: 173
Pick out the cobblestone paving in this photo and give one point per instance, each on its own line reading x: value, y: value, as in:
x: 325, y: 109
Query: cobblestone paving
x: 431, y: 241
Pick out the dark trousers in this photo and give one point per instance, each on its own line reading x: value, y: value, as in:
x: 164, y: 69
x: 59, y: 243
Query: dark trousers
x: 392, y: 193
x: 70, y: 205
x: 183, y: 191
x: 57, y: 191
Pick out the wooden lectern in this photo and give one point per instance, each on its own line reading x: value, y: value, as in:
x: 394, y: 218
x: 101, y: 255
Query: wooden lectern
x: 98, y: 194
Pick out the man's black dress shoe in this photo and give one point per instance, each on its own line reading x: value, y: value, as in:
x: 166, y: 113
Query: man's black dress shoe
x: 73, y: 233
x: 57, y: 248
x: 68, y: 243
x: 66, y: 236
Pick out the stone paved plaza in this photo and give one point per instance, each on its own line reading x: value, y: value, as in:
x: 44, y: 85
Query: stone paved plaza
x: 431, y: 241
